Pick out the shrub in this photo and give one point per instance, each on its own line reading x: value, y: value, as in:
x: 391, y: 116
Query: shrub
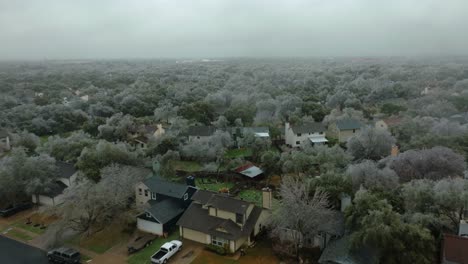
x: 217, y: 249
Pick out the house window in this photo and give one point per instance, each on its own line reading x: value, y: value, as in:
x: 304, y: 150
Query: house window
x: 185, y: 197
x: 218, y: 241
x: 198, y: 137
x: 299, y: 134
x: 298, y: 142
x: 140, y: 191
x: 321, y: 133
x: 146, y: 193
x: 354, y: 130
x: 239, y: 218
x: 153, y: 195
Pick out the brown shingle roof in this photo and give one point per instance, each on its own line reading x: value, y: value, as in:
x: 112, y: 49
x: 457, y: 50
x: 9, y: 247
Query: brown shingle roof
x: 197, y: 218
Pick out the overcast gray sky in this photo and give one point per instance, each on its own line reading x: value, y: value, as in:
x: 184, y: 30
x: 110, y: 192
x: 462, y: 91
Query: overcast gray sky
x: 69, y: 29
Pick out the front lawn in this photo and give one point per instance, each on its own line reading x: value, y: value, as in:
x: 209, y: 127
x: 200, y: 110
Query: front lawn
x: 260, y: 254
x: 238, y: 153
x: 18, y: 234
x: 30, y: 228
x: 101, y: 241
x: 143, y: 256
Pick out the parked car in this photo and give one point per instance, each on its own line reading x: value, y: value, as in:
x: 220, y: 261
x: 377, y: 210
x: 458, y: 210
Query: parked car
x: 166, y: 251
x: 64, y: 255
x: 13, y: 209
x: 140, y: 242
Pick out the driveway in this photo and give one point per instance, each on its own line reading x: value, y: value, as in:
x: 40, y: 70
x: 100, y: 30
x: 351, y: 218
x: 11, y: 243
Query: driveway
x: 190, y: 250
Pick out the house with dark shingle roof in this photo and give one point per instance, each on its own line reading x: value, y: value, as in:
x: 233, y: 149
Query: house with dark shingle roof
x: 340, y: 251
x: 66, y: 177
x: 347, y: 128
x: 218, y: 219
x: 300, y: 135
x: 164, y: 201
x: 200, y: 132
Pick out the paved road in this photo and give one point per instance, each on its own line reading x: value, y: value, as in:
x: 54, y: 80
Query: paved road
x: 12, y: 251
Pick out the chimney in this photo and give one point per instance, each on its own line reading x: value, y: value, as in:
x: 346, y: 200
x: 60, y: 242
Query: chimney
x: 190, y: 181
x: 266, y: 198
x: 395, y: 150
x: 345, y: 202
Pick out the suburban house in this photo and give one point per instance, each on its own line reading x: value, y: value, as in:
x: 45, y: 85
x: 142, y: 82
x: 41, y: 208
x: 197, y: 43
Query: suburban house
x: 220, y: 220
x: 164, y: 201
x: 4, y: 140
x: 140, y: 136
x: 237, y: 133
x: 454, y: 249
x: 300, y: 135
x: 341, y: 252
x: 347, y: 128
x: 388, y: 124
x: 200, y: 132
x: 67, y: 178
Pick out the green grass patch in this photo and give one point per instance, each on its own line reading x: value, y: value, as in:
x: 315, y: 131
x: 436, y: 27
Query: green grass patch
x: 101, y: 241
x: 84, y: 258
x: 253, y: 196
x: 214, y: 186
x: 186, y: 165
x: 19, y: 235
x: 43, y: 139
x: 143, y: 256
x: 238, y: 153
x: 30, y: 228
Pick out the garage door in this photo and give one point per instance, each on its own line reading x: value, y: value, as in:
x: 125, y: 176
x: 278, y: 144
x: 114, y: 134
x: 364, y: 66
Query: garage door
x: 195, y: 235
x: 150, y: 227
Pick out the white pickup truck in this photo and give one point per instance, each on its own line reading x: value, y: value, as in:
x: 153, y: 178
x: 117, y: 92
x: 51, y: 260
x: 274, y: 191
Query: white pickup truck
x: 166, y: 251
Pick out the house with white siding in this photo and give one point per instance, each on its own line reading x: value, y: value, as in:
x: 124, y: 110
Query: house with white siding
x: 67, y: 177
x: 306, y: 134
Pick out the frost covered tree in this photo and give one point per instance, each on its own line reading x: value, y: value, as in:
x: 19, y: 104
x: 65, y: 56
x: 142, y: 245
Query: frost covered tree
x: 368, y: 175
x: 435, y: 163
x: 371, y: 143
x: 300, y: 214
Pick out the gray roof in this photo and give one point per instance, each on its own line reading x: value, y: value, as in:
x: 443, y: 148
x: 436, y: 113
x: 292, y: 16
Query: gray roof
x: 341, y: 252
x: 57, y: 188
x: 309, y: 128
x: 197, y: 218
x: 256, y: 130
x: 165, y: 210
x: 348, y: 124
x: 202, y: 131
x: 221, y: 201
x: 202, y: 196
x: 12, y: 251
x: 160, y: 186
x: 66, y: 170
